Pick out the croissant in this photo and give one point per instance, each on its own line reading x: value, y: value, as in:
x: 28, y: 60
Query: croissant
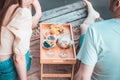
x: 56, y: 29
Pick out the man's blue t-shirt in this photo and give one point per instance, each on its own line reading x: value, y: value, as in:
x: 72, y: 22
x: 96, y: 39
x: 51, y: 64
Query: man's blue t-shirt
x: 101, y: 48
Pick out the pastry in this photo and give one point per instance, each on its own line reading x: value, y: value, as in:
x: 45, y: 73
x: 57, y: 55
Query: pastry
x: 56, y: 29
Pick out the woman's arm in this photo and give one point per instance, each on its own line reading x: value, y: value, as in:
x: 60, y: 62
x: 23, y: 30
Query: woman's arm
x: 20, y: 64
x: 37, y: 8
x: 38, y: 13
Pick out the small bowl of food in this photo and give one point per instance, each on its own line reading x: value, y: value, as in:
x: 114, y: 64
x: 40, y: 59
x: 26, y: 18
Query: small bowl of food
x: 49, y: 42
x: 54, y: 29
x: 48, y: 45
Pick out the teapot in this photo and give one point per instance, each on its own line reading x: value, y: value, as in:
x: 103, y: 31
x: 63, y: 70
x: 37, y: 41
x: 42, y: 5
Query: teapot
x: 64, y: 41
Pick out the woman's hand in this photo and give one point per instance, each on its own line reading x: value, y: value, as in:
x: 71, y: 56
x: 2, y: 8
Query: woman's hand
x: 35, y: 20
x: 27, y: 3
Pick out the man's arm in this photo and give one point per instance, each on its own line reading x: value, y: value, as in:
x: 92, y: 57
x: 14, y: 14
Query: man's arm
x: 84, y: 72
x: 38, y: 13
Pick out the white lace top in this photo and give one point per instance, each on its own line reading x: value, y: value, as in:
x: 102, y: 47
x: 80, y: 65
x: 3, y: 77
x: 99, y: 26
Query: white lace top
x: 15, y: 37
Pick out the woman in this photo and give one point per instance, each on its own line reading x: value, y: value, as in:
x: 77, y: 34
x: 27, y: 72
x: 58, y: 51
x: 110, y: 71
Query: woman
x: 38, y: 13
x: 15, y: 33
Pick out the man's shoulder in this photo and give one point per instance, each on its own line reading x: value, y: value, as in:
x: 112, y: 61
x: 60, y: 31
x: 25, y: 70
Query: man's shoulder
x: 102, y: 24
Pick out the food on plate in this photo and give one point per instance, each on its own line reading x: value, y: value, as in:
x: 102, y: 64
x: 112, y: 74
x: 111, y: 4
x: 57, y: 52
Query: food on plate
x: 56, y: 29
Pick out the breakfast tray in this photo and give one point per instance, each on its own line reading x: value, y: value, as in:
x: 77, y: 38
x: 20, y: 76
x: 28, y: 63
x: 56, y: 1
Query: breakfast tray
x: 55, y: 57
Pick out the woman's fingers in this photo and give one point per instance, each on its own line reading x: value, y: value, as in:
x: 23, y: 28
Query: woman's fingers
x: 84, y: 3
x: 27, y: 2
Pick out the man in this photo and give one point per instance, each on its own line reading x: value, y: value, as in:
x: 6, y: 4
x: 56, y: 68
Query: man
x: 100, y: 51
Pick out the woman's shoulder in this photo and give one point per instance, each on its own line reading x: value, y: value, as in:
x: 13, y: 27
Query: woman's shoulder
x: 22, y: 19
x: 23, y: 12
x: 22, y: 15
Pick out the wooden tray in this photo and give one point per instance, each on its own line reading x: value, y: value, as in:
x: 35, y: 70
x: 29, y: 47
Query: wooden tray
x: 55, y: 57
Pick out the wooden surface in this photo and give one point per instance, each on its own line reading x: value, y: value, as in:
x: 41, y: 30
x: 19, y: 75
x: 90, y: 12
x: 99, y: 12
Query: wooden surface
x: 57, y: 75
x: 55, y: 57
x: 73, y: 13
